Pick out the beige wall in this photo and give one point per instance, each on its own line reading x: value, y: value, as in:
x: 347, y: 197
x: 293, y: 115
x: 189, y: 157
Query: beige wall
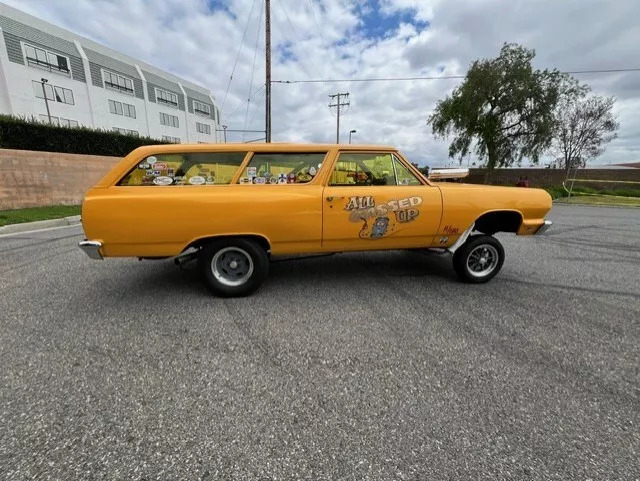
x: 549, y: 177
x: 33, y: 179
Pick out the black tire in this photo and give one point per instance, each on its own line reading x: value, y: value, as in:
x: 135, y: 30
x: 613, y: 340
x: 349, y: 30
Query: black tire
x: 471, y: 259
x: 233, y: 267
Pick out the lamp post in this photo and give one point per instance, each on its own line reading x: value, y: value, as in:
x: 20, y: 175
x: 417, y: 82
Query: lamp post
x: 351, y: 132
x: 46, y: 100
x: 224, y: 128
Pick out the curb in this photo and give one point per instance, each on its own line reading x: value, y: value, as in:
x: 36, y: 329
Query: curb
x: 612, y: 206
x: 40, y: 224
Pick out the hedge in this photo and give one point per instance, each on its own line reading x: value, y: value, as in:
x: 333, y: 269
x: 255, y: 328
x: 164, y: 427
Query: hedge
x: 24, y: 134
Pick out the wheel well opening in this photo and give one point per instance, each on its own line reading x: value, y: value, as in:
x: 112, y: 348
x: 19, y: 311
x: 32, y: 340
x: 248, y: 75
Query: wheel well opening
x: 262, y: 241
x: 501, y: 221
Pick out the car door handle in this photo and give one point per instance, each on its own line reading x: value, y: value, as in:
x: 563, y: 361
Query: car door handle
x: 332, y: 198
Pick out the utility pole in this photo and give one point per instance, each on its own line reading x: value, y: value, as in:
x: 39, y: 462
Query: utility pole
x: 224, y: 127
x: 267, y: 37
x: 339, y: 104
x: 46, y: 100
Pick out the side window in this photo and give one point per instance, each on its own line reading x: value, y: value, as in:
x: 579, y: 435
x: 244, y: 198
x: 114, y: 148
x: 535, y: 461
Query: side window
x: 289, y: 168
x: 363, y: 169
x: 197, y: 168
x: 404, y: 175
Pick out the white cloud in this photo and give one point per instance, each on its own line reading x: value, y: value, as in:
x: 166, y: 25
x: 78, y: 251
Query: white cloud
x: 323, y: 38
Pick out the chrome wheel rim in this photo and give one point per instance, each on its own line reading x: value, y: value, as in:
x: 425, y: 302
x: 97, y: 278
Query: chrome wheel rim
x: 232, y: 266
x: 482, y: 260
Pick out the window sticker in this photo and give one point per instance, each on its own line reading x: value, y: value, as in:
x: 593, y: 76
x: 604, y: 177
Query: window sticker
x: 163, y: 180
x: 151, y: 160
x: 196, y: 180
x: 259, y: 180
x: 282, y: 178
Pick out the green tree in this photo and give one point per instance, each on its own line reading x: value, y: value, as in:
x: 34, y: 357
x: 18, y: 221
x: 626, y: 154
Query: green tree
x: 583, y: 126
x: 503, y: 110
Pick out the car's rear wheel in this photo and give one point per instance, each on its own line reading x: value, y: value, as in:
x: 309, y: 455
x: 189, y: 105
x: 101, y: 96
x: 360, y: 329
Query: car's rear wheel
x: 479, y: 259
x: 233, y: 267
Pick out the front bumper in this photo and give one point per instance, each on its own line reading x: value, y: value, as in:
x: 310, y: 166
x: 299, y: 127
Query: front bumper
x: 543, y: 228
x: 91, y: 248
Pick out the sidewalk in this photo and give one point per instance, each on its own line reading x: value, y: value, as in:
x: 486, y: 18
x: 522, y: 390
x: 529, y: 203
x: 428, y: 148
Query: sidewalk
x: 39, y: 224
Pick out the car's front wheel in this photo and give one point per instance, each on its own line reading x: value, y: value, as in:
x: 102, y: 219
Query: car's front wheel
x: 233, y: 267
x: 479, y: 259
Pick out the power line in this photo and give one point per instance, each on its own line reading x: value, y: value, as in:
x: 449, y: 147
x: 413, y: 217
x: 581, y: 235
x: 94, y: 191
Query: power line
x: 237, y: 55
x: 324, y: 42
x: 256, y: 92
x: 253, y: 67
x: 255, y: 111
x: 309, y: 57
x: 281, y: 30
x: 444, y: 77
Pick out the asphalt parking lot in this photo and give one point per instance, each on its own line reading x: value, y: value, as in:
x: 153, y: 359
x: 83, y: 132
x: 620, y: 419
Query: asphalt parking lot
x: 373, y: 366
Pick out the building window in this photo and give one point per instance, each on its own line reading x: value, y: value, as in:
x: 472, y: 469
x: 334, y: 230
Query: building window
x: 201, y: 108
x: 118, y: 82
x: 54, y: 93
x: 44, y: 118
x: 169, y: 120
x: 167, y: 98
x: 120, y: 108
x: 168, y: 138
x: 46, y: 60
x: 126, y: 131
x: 203, y: 128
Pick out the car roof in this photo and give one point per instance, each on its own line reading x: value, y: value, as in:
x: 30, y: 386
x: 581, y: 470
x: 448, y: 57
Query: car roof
x: 261, y: 147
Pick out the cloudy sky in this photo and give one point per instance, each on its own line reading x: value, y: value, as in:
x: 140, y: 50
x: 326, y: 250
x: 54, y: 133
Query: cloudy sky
x: 348, y: 39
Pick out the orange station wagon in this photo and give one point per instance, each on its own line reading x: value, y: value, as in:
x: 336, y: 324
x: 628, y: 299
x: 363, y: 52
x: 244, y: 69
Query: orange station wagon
x: 233, y: 206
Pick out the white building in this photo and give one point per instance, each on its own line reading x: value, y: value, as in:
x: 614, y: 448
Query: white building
x: 91, y: 85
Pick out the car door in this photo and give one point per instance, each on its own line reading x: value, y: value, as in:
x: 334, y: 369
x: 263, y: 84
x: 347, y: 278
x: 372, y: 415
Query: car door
x: 373, y: 201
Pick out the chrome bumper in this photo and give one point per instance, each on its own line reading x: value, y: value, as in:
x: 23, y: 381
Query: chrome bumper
x: 543, y: 228
x: 91, y: 248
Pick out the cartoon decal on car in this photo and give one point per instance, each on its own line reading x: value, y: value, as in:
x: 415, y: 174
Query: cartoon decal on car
x: 364, y: 208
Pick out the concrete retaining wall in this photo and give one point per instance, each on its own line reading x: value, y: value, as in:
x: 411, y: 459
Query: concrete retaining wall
x: 34, y: 179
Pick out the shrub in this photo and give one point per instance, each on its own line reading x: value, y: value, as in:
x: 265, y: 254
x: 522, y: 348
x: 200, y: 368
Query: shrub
x: 556, y: 191
x: 30, y: 134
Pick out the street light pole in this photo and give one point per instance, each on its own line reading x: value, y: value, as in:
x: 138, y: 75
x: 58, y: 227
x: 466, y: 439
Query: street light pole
x: 224, y: 127
x: 351, y: 132
x: 46, y: 100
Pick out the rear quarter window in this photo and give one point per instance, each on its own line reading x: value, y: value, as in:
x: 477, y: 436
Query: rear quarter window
x: 196, y: 168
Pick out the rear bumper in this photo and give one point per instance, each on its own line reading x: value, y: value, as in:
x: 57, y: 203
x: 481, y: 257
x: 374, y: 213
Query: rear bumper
x: 543, y: 228
x: 91, y: 248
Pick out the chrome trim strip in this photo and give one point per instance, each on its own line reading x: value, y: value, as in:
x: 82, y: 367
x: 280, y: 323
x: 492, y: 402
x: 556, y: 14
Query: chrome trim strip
x: 462, y: 239
x: 91, y: 248
x: 544, y: 227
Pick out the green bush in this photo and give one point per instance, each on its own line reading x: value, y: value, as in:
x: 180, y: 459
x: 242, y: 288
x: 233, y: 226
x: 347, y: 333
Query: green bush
x: 24, y: 134
x: 556, y: 191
